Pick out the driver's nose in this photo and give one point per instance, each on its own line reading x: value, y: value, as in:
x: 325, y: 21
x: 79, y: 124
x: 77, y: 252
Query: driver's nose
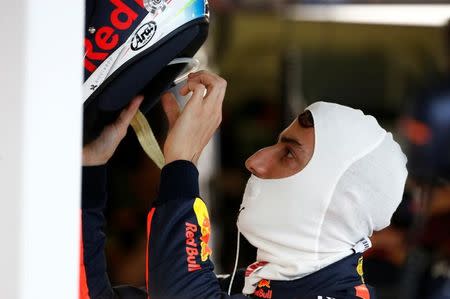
x: 261, y: 162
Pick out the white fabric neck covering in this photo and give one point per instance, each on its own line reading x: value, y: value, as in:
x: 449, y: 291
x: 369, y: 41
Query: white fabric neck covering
x: 350, y: 187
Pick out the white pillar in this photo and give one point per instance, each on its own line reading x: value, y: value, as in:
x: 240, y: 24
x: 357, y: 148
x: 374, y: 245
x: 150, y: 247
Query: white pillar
x: 40, y: 147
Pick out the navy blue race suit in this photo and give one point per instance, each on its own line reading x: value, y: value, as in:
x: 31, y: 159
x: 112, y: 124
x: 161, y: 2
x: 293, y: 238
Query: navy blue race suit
x: 178, y: 263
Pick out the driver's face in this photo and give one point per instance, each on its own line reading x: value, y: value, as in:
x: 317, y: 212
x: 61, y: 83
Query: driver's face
x: 291, y: 153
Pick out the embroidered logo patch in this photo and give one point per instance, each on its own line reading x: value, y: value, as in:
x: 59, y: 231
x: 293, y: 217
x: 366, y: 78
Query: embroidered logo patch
x: 263, y: 289
x: 191, y: 247
x: 201, y: 212
x: 359, y: 269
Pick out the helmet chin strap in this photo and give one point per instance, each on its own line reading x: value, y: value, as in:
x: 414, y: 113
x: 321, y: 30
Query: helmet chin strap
x: 141, y: 126
x: 147, y: 139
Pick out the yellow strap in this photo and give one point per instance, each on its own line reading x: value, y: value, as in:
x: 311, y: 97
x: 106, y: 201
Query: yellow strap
x: 147, y: 139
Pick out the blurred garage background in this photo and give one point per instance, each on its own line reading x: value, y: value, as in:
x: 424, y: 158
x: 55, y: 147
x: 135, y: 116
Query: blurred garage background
x: 278, y: 57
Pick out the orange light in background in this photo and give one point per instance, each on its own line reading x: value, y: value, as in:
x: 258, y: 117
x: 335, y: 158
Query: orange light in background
x: 417, y: 132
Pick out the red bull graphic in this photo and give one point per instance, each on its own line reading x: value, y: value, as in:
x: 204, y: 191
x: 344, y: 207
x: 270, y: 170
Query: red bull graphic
x: 260, y: 293
x: 263, y: 289
x: 201, y: 212
x: 359, y: 269
x: 191, y: 247
x: 106, y: 38
x: 264, y: 283
x: 203, y: 226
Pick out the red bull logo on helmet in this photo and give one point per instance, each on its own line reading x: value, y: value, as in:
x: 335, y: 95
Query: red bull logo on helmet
x: 106, y: 39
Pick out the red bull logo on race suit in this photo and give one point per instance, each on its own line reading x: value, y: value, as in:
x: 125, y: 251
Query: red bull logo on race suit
x: 263, y: 289
x: 201, y: 211
x: 203, y: 226
x: 191, y: 247
x: 264, y: 283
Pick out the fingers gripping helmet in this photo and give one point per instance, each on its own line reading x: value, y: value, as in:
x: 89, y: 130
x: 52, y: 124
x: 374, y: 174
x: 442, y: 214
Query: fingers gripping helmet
x: 131, y: 47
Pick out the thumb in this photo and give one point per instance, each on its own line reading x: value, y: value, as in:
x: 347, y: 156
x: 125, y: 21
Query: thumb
x: 128, y: 113
x: 171, y: 108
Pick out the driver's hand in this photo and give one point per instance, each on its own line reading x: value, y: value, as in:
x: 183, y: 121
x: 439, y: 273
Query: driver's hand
x: 99, y: 151
x: 191, y: 129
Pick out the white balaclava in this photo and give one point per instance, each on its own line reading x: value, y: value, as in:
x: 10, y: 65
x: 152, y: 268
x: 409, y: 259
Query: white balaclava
x: 351, y: 187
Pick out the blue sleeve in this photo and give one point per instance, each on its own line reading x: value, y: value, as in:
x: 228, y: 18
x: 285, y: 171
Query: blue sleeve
x: 94, y: 281
x: 178, y: 227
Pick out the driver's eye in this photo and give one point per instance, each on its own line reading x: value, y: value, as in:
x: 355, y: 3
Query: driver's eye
x: 289, y: 154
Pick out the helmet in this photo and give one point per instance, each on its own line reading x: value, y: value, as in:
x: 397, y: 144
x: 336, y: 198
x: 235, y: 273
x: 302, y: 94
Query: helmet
x: 129, y: 47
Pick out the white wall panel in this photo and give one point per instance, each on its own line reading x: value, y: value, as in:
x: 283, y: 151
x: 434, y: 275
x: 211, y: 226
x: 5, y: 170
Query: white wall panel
x: 40, y: 147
